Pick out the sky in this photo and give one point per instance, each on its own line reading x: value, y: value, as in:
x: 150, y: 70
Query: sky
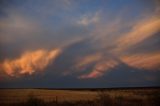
x: 79, y: 43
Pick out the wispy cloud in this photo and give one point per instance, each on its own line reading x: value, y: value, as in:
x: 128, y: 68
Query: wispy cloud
x: 89, y: 19
x: 100, y: 68
x: 17, y: 26
x: 87, y: 60
x: 142, y: 30
x: 147, y: 61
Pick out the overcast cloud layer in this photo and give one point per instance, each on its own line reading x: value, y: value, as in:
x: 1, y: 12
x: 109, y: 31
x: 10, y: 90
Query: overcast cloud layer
x: 79, y: 43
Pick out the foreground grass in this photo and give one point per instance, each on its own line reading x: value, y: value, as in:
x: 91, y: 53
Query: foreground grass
x: 40, y: 97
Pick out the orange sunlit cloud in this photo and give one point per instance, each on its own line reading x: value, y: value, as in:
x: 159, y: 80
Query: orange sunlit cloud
x: 30, y: 62
x: 149, y: 61
x: 85, y: 61
x: 140, y: 31
x: 100, y: 68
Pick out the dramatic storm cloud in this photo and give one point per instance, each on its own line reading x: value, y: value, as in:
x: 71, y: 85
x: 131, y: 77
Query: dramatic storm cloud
x: 85, y: 43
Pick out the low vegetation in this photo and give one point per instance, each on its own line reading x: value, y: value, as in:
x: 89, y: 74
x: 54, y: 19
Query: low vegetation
x: 98, y: 97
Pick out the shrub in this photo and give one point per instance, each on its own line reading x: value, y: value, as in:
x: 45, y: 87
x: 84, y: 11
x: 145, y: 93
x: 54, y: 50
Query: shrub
x: 34, y: 101
x: 104, y: 98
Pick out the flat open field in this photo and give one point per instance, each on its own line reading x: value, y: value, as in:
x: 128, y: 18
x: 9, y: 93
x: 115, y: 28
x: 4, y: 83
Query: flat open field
x: 96, y: 97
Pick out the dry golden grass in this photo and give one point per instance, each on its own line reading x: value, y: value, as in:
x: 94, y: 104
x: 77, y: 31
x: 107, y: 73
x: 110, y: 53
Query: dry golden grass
x: 17, y: 95
x: 132, y: 97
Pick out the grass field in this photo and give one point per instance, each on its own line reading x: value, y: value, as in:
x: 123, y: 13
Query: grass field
x: 85, y: 97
